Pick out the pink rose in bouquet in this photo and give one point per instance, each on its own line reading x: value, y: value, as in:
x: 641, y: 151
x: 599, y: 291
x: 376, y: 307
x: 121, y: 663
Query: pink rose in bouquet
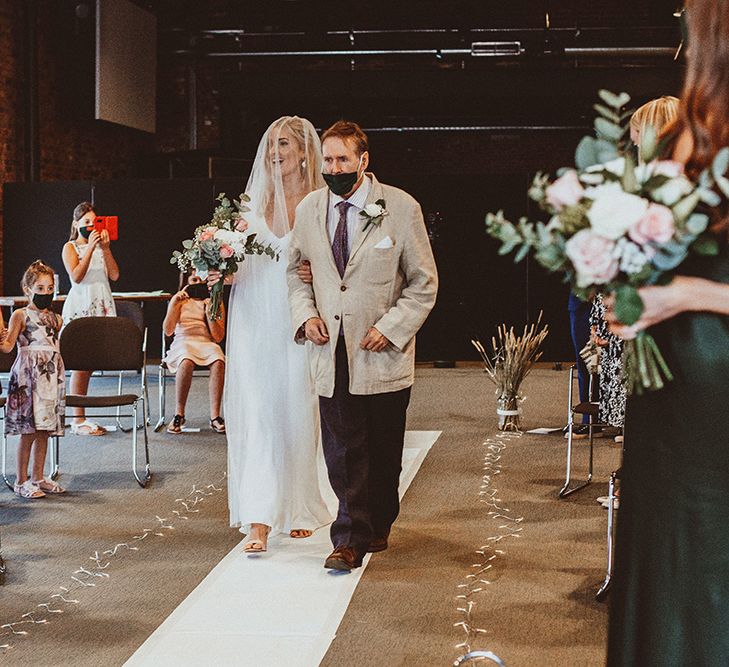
x: 656, y: 226
x: 592, y: 257
x: 565, y: 191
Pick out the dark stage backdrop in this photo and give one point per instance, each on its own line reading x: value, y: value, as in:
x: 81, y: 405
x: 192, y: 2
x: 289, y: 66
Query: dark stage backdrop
x: 154, y: 218
x: 478, y: 290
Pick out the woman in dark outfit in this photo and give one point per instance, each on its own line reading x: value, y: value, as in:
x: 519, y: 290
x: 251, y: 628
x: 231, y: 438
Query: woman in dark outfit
x: 670, y: 601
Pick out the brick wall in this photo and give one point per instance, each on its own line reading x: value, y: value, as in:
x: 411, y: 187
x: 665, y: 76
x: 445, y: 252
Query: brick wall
x: 11, y: 126
x: 73, y: 146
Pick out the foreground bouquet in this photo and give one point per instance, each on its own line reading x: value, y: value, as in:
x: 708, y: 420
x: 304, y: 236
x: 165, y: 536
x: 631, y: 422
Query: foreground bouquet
x: 221, y: 245
x: 614, y: 226
x: 512, y: 358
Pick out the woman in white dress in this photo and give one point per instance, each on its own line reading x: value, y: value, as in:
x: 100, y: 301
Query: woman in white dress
x: 271, y: 410
x: 90, y: 265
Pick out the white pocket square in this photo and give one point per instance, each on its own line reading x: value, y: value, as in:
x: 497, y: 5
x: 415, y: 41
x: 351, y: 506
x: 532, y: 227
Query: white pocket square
x: 387, y: 242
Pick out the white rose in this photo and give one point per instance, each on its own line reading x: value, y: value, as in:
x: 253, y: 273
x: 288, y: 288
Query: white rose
x: 614, y: 212
x: 373, y: 210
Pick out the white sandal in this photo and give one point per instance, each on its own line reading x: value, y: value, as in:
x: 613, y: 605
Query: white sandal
x: 88, y: 427
x: 49, y: 486
x: 28, y: 490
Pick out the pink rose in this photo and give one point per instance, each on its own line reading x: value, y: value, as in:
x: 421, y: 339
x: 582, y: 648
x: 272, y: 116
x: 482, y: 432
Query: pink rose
x: 226, y: 251
x: 205, y: 236
x: 241, y: 225
x: 592, y: 257
x: 565, y: 191
x: 656, y: 226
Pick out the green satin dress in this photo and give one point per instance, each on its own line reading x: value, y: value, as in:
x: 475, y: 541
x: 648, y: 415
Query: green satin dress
x: 669, y: 605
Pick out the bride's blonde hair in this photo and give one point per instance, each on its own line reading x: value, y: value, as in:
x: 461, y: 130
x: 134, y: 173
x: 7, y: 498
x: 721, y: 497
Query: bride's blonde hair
x: 311, y: 166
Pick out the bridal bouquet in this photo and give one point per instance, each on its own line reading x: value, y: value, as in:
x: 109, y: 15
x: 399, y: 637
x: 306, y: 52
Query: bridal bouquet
x: 221, y: 245
x: 613, y: 226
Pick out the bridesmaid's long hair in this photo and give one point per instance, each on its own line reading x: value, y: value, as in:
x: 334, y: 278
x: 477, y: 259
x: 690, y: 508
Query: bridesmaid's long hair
x: 704, y: 107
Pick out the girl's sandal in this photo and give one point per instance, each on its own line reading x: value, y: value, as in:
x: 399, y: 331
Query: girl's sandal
x: 87, y: 427
x: 218, y: 425
x: 28, y: 490
x: 49, y: 486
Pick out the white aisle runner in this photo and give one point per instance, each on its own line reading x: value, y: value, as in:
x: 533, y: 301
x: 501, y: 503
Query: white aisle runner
x: 279, y: 608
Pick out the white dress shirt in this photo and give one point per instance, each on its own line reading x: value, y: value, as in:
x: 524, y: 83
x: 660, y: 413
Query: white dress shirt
x: 357, y: 200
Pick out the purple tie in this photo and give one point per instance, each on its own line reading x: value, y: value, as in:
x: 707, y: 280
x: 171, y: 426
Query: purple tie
x: 340, y: 245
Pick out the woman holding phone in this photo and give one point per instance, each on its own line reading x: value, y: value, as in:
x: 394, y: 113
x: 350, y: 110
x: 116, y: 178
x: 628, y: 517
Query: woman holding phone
x: 90, y: 266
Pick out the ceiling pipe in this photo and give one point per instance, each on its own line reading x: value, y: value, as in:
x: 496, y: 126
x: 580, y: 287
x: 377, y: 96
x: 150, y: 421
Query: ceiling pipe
x: 508, y: 51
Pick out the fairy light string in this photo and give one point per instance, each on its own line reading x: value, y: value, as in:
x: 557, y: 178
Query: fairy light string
x: 90, y: 575
x: 502, y: 526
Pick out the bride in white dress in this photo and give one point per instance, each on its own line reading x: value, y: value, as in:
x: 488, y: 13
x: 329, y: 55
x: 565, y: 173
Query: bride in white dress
x: 271, y: 409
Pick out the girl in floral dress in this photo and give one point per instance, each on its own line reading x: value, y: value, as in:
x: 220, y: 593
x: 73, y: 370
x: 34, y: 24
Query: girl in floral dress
x: 90, y: 265
x: 37, y: 390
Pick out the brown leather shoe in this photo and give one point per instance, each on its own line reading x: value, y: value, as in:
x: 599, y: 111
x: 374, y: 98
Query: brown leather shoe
x: 343, y: 559
x: 377, y: 544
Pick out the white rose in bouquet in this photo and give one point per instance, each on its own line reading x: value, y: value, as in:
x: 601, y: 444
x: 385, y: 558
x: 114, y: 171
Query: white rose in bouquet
x: 614, y: 212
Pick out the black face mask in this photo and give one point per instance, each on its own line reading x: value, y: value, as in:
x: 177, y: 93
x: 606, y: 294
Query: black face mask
x: 198, y: 291
x: 342, y: 184
x: 85, y: 231
x: 43, y: 301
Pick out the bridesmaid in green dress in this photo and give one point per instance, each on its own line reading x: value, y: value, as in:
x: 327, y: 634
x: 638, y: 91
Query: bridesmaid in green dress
x: 670, y: 600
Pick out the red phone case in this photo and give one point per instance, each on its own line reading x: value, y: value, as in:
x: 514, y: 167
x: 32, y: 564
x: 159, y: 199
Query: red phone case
x: 110, y: 223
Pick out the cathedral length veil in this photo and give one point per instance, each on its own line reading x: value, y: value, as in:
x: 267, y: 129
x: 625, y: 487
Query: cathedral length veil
x: 271, y: 409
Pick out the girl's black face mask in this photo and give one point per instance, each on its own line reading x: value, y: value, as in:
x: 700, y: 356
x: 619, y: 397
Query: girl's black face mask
x: 197, y: 291
x: 43, y: 301
x: 85, y: 231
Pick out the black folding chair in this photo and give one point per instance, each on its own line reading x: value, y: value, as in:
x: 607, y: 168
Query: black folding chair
x: 134, y: 312
x: 112, y: 344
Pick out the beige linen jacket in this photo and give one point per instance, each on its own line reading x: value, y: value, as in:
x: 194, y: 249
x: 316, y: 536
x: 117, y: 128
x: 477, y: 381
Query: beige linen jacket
x: 391, y: 288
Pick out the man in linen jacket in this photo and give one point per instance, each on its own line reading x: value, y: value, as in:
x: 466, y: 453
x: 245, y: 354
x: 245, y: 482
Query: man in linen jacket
x: 374, y: 283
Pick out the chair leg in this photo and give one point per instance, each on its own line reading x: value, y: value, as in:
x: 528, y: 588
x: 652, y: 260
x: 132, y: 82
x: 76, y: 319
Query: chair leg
x: 602, y: 593
x: 5, y: 456
x: 54, y: 461
x: 142, y: 481
x: 119, y: 424
x: 162, y: 399
x: 566, y: 489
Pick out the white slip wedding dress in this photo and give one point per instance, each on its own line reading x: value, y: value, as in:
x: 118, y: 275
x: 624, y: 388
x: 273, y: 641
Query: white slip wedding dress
x: 271, y: 409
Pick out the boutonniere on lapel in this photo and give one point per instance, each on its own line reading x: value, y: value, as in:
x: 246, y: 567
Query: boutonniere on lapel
x: 374, y: 213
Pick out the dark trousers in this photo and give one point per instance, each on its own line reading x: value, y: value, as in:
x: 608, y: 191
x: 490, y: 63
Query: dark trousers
x: 362, y: 437
x: 580, y: 329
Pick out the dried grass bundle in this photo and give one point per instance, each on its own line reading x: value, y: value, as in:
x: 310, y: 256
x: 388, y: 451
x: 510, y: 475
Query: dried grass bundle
x: 513, y: 357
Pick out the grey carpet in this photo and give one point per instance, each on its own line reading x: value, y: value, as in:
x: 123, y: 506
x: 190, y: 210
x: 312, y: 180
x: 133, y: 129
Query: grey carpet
x: 539, y: 610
